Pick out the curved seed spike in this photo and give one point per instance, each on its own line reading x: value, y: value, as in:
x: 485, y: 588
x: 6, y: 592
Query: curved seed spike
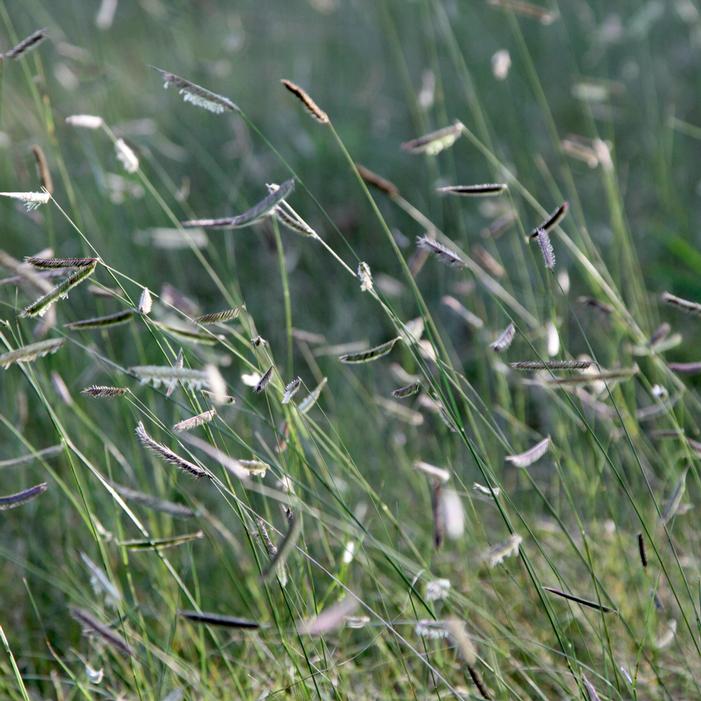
x: 443, y: 253
x: 47, y: 181
x: 251, y: 216
x: 377, y: 181
x: 303, y: 96
x: 194, y: 421
x: 546, y: 248
x: 291, y: 389
x: 553, y: 220
x: 41, y: 305
x: 196, y: 94
x: 220, y: 317
x: 579, y: 600
x: 26, y: 354
x: 14, y: 500
x: 311, y: 399
x: 157, y: 375
x: 93, y: 626
x: 370, y: 354
x: 218, y: 619
x: 49, y: 263
x: 30, y: 42
x: 161, y: 543
x: 285, y: 549
x: 474, y: 190
x: 407, y: 391
x: 531, y: 455
x: 551, y: 364
x: 101, y: 322
x: 264, y: 380
x: 684, y: 304
x: 675, y: 499
x: 167, y: 454
x: 104, y: 391
x: 505, y: 339
x: 435, y: 142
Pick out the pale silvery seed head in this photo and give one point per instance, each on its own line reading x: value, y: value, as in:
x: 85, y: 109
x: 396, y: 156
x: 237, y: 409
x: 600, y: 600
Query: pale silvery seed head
x: 659, y: 392
x: 603, y: 154
x: 438, y: 473
x: 365, y: 277
x: 553, y: 340
x: 216, y: 384
x: 145, y: 302
x: 501, y: 64
x: 667, y: 635
x: 286, y: 485
x: 105, y: 15
x: 563, y: 280
x: 546, y: 248
x: 357, y: 622
x: 348, y: 552
x: 482, y: 489
x: 85, y: 121
x: 200, y: 101
x: 497, y: 554
x: 437, y: 589
x: 433, y: 630
x: 94, y: 675
x: 250, y: 379
x: 127, y: 156
x: 31, y: 199
x: 454, y: 516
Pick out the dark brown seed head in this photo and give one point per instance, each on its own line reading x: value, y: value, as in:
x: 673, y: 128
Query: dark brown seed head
x: 377, y: 181
x: 307, y: 101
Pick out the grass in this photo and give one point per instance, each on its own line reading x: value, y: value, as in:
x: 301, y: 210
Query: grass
x: 295, y: 549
